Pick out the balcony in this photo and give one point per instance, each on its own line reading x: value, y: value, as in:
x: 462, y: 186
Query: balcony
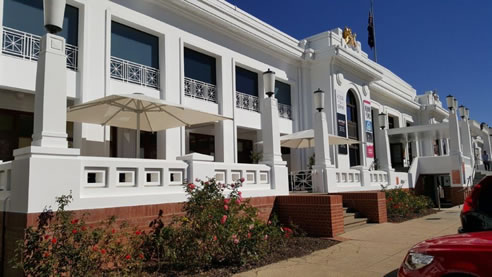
x: 285, y: 111
x: 134, y: 73
x: 27, y: 46
x: 200, y: 90
x: 247, y: 102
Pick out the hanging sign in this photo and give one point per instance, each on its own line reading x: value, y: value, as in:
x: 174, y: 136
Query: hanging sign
x: 368, y: 118
x: 341, y: 120
x: 370, y: 151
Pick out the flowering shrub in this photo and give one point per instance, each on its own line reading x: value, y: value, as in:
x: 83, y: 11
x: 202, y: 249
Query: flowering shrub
x: 402, y: 204
x: 216, y: 230
x: 62, y: 245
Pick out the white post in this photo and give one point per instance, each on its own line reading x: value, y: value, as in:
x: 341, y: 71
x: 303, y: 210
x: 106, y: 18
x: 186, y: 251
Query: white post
x: 272, y: 154
x: 466, y: 138
x: 322, y: 157
x: 50, y: 104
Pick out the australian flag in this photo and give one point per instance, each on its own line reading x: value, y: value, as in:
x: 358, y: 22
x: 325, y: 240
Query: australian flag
x: 370, y: 29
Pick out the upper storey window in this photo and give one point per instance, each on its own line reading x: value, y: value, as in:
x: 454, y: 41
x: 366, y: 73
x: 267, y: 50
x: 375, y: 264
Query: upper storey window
x: 23, y: 22
x: 134, y: 56
x: 282, y: 93
x: 247, y: 89
x: 200, y: 75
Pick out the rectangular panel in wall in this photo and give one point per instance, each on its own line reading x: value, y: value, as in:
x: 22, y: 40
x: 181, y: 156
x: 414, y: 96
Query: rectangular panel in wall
x: 126, y: 177
x: 176, y: 177
x: 95, y: 177
x: 153, y: 177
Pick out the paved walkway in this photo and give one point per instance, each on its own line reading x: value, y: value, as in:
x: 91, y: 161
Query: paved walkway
x: 375, y: 250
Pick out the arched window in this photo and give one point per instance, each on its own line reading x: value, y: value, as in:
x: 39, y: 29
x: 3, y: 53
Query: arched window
x: 353, y: 128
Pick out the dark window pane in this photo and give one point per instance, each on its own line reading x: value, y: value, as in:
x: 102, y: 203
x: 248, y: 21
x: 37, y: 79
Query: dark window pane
x: 133, y: 45
x: 26, y: 125
x: 246, y: 81
x: 203, y: 144
x: 244, y: 151
x: 282, y: 93
x: 27, y: 16
x: 199, y: 66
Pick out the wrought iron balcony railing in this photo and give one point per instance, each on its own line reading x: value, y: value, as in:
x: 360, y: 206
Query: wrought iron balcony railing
x: 247, y: 102
x: 285, y: 111
x: 135, y: 73
x: 27, y: 46
x: 201, y: 90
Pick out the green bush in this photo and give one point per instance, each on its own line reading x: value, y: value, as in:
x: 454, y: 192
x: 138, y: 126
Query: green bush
x: 216, y: 230
x: 403, y: 204
x: 62, y: 245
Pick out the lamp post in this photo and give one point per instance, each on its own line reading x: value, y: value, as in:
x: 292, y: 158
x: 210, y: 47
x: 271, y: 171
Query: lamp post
x: 269, y: 82
x: 54, y: 11
x: 382, y: 120
x: 462, y: 109
x: 467, y: 113
x: 319, y: 100
x: 450, y: 102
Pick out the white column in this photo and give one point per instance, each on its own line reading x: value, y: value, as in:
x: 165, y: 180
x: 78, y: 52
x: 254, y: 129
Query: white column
x: 225, y: 135
x: 454, y: 134
x: 171, y: 142
x: 272, y: 155
x: 50, y: 104
x: 321, y: 180
x: 466, y: 138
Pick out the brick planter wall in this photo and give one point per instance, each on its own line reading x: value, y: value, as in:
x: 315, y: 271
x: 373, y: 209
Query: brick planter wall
x: 316, y: 214
x: 370, y: 204
x: 136, y: 216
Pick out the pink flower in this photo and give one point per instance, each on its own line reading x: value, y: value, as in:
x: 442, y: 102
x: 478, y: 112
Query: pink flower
x: 46, y: 254
x: 239, y: 193
x: 128, y: 257
x: 223, y: 219
x: 226, y: 207
x: 226, y: 201
x: 94, y: 248
x: 207, y: 183
x: 84, y: 228
x: 265, y: 237
x: 54, y: 240
x: 141, y: 256
x: 46, y: 236
x: 236, y: 241
x: 197, y: 180
x: 249, y: 235
x: 242, y: 180
x: 103, y: 251
x: 251, y: 226
x: 191, y: 186
x: 234, y: 236
x: 238, y: 201
x: 214, y: 238
x: 74, y: 221
x: 269, y: 222
x: 74, y: 231
x: 113, y: 231
x: 138, y: 233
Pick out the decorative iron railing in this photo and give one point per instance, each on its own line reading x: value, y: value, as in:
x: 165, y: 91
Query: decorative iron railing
x: 201, y: 90
x: 134, y: 73
x: 285, y: 111
x: 301, y: 180
x: 27, y: 46
x: 247, y: 102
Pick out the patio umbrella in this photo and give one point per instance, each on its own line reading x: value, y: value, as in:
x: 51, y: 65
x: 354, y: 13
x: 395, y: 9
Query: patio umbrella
x: 305, y: 139
x: 139, y: 112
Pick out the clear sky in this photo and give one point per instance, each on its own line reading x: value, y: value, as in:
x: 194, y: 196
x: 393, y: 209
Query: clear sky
x: 431, y: 44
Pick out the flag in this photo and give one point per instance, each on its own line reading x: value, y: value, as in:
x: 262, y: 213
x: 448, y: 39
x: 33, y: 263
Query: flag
x: 370, y: 29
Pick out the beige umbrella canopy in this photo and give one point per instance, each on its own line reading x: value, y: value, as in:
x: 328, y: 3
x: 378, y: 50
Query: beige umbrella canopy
x: 305, y: 139
x: 139, y: 112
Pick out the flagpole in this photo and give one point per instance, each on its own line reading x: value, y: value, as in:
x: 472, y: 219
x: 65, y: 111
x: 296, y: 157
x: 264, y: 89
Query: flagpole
x: 374, y: 31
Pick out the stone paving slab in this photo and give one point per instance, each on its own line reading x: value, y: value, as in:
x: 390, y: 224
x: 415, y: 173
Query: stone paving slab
x: 375, y: 250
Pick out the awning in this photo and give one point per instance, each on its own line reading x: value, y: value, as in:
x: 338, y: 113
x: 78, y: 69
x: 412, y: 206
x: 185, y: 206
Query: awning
x: 414, y: 133
x: 305, y: 139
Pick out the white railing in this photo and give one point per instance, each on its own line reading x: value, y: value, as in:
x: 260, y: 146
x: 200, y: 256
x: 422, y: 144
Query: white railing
x: 301, y: 180
x: 201, y: 90
x: 348, y: 176
x: 247, y: 102
x: 117, y: 176
x: 5, y: 176
x: 378, y: 177
x: 27, y: 46
x: 285, y: 111
x: 134, y: 73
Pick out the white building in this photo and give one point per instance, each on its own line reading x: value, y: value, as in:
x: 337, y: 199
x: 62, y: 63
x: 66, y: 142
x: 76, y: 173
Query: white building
x: 210, y: 55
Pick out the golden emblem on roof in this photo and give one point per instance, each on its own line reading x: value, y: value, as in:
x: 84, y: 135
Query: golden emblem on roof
x: 349, y: 37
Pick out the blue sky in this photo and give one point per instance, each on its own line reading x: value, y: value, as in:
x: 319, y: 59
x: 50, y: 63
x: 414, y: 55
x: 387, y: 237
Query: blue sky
x: 431, y: 44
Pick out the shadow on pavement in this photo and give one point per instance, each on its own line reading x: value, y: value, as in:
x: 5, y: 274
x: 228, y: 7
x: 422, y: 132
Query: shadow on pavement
x: 393, y: 273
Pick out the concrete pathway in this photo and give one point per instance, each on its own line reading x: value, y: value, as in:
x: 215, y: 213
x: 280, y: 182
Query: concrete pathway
x: 375, y: 250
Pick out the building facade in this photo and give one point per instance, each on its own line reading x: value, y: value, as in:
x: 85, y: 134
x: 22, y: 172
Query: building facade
x: 209, y: 55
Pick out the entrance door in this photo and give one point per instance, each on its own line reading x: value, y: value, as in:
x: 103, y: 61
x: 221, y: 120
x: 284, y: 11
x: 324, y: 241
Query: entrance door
x: 397, y: 154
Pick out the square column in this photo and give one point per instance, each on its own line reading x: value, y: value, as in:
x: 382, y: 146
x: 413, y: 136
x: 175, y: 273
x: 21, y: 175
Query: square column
x: 321, y: 180
x: 50, y: 101
x: 272, y: 154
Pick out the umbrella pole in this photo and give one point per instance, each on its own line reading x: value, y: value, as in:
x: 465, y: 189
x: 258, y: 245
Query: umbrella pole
x: 138, y: 135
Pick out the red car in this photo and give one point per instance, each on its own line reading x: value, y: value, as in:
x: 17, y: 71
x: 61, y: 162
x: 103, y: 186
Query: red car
x: 465, y: 254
